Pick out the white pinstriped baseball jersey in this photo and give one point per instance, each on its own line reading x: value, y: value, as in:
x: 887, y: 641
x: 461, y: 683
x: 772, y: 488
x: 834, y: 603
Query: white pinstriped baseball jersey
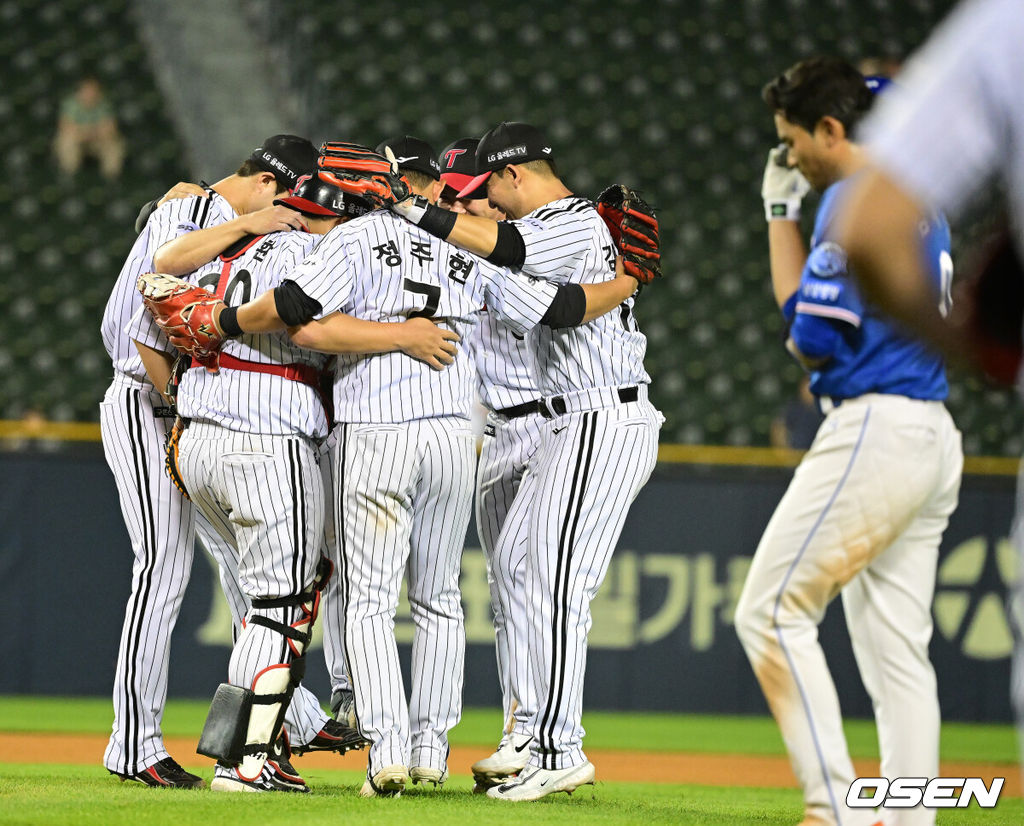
x: 568, y: 242
x: 168, y: 222
x: 243, y: 400
x: 351, y: 270
x: 504, y: 360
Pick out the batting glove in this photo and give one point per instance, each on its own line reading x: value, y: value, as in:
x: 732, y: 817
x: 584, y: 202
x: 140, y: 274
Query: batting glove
x: 782, y: 188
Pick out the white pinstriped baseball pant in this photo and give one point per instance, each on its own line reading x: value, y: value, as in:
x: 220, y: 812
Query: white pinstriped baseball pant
x: 332, y: 608
x: 269, y: 490
x: 504, y: 457
x: 554, y: 552
x: 403, y: 499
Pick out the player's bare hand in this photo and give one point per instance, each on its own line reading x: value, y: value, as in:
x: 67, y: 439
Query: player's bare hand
x: 182, y: 189
x: 273, y: 219
x: 423, y: 339
x: 629, y: 280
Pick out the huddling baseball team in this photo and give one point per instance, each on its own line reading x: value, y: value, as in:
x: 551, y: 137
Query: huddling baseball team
x: 297, y: 351
x: 302, y: 399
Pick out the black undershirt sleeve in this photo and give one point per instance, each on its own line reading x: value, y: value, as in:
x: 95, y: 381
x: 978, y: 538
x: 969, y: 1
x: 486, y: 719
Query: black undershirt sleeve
x: 509, y: 249
x: 567, y: 308
x: 144, y: 214
x: 293, y: 305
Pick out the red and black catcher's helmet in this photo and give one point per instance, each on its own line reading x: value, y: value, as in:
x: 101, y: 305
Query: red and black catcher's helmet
x: 319, y: 195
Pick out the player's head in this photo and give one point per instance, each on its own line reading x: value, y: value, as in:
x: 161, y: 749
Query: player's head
x: 818, y: 103
x: 323, y: 202
x: 516, y: 161
x: 274, y: 167
x: 458, y: 168
x: 417, y: 161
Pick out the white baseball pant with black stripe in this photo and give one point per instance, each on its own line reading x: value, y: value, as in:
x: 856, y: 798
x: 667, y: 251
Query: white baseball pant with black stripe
x: 332, y: 607
x: 270, y: 490
x: 162, y: 530
x: 508, y: 447
x: 555, y: 550
x: 403, y: 500
x: 864, y: 513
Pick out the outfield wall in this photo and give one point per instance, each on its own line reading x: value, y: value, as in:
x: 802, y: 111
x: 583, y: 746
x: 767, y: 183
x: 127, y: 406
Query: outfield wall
x: 662, y: 636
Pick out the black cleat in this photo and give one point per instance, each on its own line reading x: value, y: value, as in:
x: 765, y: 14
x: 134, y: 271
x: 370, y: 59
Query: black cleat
x: 166, y: 773
x: 334, y: 736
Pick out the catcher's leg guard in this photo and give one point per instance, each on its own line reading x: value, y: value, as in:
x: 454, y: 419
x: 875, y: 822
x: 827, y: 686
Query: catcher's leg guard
x: 244, y: 723
x: 224, y: 732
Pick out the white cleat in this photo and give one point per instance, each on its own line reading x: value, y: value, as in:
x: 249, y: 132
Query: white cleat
x: 271, y: 779
x: 534, y: 784
x: 511, y: 758
x: 424, y: 774
x: 388, y: 782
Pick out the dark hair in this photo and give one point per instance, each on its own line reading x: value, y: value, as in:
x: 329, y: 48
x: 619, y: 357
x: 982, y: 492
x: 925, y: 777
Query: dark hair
x: 816, y: 88
x: 420, y: 180
x: 250, y: 168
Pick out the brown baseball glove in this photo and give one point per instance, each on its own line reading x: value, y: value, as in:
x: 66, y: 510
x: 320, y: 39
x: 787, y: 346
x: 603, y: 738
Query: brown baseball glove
x: 186, y: 314
x: 171, y: 455
x: 634, y: 228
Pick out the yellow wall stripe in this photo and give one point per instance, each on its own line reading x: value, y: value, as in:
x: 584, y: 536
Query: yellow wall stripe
x: 668, y: 453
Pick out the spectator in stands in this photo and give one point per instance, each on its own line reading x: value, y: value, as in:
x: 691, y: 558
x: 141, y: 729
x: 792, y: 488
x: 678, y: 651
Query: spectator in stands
x: 87, y: 127
x: 797, y: 422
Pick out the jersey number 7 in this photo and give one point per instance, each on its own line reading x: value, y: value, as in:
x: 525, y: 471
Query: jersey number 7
x: 433, y: 294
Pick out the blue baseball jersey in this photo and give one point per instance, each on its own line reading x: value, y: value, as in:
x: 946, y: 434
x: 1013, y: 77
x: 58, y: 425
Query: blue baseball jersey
x: 867, y: 352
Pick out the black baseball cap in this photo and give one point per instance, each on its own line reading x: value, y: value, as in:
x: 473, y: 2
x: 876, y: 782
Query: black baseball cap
x: 288, y: 157
x: 458, y: 166
x: 507, y: 143
x: 319, y: 195
x: 413, y: 153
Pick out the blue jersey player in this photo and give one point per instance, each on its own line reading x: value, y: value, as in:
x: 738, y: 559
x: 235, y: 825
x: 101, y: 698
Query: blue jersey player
x: 865, y: 511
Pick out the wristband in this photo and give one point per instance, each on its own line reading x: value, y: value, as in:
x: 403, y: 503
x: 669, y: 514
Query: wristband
x: 228, y: 322
x: 782, y: 210
x: 418, y: 210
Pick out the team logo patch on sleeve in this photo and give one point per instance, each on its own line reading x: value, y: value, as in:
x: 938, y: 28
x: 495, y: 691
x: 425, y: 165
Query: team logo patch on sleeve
x: 827, y: 260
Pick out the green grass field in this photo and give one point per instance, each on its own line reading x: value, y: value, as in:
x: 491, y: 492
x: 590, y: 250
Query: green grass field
x: 77, y: 794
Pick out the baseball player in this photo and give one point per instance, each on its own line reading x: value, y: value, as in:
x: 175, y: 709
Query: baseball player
x: 134, y: 423
x: 416, y: 156
x: 865, y: 511
x: 598, y: 448
x: 404, y: 462
x: 259, y: 417
x: 507, y: 388
x: 964, y: 79
x: 189, y: 250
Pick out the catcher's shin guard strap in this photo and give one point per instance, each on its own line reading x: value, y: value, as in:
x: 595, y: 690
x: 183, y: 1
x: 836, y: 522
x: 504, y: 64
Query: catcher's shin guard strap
x: 223, y: 736
x: 290, y: 601
x: 281, y: 628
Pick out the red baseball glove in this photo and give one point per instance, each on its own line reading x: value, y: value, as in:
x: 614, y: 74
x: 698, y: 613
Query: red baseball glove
x: 634, y: 228
x: 186, y: 314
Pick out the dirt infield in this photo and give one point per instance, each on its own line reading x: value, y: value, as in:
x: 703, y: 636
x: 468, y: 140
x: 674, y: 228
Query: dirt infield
x: 613, y: 765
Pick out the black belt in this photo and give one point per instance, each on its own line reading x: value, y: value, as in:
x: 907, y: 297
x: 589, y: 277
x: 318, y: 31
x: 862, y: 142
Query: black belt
x: 524, y: 409
x: 555, y: 406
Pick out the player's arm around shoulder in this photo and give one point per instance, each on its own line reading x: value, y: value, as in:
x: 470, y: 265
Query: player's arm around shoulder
x: 420, y: 338
x: 191, y: 250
